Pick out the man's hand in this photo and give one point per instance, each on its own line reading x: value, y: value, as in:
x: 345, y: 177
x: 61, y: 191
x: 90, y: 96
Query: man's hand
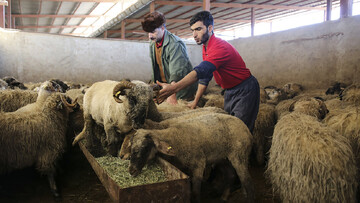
x: 192, y: 105
x: 166, y: 91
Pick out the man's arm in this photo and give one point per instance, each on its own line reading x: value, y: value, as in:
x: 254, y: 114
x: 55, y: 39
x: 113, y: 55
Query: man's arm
x: 169, y: 89
x: 200, y: 91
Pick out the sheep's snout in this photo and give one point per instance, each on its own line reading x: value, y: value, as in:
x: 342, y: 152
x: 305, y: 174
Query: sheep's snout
x: 133, y: 171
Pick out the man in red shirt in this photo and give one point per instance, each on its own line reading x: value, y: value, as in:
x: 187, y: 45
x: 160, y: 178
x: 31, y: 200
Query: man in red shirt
x: 221, y: 60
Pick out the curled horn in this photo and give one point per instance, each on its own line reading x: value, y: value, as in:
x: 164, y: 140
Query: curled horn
x: 119, y: 89
x: 67, y: 103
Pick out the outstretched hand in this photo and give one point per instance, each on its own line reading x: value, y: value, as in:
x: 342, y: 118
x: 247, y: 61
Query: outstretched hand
x: 165, y: 92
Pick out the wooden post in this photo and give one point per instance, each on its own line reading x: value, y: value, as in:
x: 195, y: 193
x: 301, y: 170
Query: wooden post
x: 206, y: 5
x: 105, y: 34
x: 2, y: 16
x: 8, y: 17
x: 123, y: 29
x: 328, y: 9
x: 152, y: 6
x: 345, y: 8
x: 252, y: 21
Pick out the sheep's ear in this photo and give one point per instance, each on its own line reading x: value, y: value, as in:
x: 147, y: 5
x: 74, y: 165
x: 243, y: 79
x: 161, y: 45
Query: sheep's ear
x: 164, y: 147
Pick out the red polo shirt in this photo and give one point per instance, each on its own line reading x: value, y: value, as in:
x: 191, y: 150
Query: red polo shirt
x: 230, y: 67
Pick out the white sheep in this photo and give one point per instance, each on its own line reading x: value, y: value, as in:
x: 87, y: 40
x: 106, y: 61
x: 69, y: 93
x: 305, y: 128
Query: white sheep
x: 119, y: 107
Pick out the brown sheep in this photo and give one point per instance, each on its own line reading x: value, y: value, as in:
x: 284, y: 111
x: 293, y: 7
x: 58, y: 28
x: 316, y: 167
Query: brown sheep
x: 195, y: 143
x: 310, y: 162
x: 263, y: 130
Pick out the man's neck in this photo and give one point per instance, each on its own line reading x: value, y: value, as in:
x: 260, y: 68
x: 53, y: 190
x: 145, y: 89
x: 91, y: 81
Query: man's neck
x: 207, y: 42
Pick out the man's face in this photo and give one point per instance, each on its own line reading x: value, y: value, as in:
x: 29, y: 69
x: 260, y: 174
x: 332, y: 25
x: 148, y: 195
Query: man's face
x: 200, y: 32
x: 157, y: 34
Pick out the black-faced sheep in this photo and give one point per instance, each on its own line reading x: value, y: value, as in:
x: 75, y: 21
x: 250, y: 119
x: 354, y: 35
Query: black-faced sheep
x: 13, y: 83
x: 37, y: 137
x: 119, y: 107
x: 195, y: 143
x: 308, y: 161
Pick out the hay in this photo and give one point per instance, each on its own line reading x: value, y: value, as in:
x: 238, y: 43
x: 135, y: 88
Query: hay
x: 117, y: 169
x: 310, y: 162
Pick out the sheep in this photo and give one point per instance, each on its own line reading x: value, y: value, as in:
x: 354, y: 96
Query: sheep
x: 346, y: 121
x: 263, y: 130
x: 35, y: 138
x: 336, y: 88
x: 313, y: 106
x: 119, y: 107
x: 46, y: 89
x: 283, y: 107
x: 216, y: 100
x: 263, y: 95
x: 351, y: 94
x: 11, y: 100
x: 275, y: 94
x: 13, y: 83
x: 292, y: 89
x: 3, y: 85
x: 310, y: 162
x: 168, y: 118
x: 197, y: 142
x: 76, y: 94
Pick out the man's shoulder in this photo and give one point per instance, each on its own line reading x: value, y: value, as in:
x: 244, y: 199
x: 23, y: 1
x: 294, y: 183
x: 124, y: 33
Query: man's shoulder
x: 174, y: 38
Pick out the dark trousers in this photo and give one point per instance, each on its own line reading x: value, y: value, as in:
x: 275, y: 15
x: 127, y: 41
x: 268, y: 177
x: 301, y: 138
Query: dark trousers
x: 243, y: 101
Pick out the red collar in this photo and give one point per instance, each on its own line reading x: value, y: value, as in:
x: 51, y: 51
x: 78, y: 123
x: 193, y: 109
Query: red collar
x: 209, y: 42
x: 159, y: 44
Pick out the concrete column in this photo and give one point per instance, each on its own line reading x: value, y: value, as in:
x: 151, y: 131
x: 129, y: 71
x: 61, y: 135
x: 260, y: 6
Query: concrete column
x: 328, y: 9
x: 345, y: 8
x: 252, y: 21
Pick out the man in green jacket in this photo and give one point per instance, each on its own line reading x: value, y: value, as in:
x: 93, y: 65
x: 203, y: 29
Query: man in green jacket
x: 170, y: 61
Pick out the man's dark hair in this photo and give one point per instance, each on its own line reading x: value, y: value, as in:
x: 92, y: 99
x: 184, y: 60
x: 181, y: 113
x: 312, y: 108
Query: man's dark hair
x: 204, y: 16
x: 153, y: 21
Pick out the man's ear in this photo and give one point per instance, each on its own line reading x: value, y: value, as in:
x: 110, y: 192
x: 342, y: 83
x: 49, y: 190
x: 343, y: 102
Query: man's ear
x: 210, y: 28
x: 164, y: 147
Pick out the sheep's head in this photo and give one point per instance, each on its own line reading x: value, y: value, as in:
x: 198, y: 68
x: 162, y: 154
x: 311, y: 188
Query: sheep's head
x: 142, y: 151
x: 139, y: 96
x: 144, y: 147
x: 314, y: 106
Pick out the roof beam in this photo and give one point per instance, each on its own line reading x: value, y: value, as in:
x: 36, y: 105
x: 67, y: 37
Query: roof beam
x: 237, y: 5
x: 77, y: 1
x: 53, y: 26
x: 133, y: 20
x: 53, y: 16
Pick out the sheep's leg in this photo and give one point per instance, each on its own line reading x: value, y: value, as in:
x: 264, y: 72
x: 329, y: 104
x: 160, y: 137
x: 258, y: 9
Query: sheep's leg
x: 241, y: 167
x: 87, y: 131
x: 53, y: 187
x: 197, y: 176
x: 260, y: 154
x: 112, y: 139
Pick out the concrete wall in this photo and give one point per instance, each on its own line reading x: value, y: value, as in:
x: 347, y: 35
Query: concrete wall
x: 314, y: 56
x: 34, y: 57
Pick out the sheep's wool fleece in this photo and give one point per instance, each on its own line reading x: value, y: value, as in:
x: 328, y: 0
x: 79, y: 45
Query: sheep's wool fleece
x: 310, y: 162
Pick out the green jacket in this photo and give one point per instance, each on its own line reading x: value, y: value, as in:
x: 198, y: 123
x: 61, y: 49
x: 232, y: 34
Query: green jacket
x: 175, y: 62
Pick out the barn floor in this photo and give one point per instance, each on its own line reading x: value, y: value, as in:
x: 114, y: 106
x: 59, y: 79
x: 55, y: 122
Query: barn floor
x: 79, y: 183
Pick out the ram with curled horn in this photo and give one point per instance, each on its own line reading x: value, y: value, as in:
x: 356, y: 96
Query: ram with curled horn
x: 119, y: 107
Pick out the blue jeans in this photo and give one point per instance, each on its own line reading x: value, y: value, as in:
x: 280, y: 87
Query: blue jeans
x: 243, y: 101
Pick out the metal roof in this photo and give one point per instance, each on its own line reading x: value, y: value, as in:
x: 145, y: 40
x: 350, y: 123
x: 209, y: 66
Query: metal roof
x: 105, y: 18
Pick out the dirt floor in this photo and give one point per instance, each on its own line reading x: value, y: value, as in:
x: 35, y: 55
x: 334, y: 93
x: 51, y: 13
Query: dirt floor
x: 78, y: 183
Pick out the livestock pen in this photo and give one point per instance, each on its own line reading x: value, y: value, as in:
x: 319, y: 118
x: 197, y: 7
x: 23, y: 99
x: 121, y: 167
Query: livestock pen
x: 314, y: 56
